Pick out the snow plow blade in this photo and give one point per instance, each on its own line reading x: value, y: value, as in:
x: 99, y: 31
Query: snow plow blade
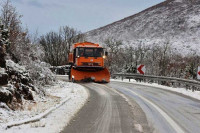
x: 102, y: 76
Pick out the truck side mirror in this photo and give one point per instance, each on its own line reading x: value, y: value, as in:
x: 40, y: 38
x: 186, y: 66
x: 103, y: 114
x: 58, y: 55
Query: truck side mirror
x: 106, y: 53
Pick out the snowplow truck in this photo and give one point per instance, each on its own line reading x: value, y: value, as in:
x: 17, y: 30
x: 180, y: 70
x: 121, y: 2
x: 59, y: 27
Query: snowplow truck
x: 87, y: 63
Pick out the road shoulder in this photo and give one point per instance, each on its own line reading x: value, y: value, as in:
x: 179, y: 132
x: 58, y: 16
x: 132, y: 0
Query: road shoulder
x: 58, y: 118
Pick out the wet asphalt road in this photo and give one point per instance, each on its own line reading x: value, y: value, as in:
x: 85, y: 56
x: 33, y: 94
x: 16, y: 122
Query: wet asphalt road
x: 148, y: 109
x: 107, y: 112
x: 166, y: 111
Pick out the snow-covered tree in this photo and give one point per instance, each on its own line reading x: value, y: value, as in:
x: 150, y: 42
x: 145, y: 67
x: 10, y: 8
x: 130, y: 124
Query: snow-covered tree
x: 114, y: 62
x: 12, y: 21
x: 20, y: 49
x: 3, y: 42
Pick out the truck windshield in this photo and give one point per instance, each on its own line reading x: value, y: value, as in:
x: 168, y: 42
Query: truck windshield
x: 90, y: 52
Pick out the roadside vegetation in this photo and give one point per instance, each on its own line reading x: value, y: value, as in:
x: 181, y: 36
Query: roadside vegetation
x: 25, y: 58
x: 57, y: 45
x: 159, y: 59
x: 22, y: 70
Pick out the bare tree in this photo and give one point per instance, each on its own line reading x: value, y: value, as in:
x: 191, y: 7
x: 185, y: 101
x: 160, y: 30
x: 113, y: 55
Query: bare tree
x: 57, y: 45
x: 70, y: 36
x: 3, y: 42
x: 10, y: 17
x: 12, y: 21
x: 114, y: 48
x: 151, y: 60
x: 164, y: 58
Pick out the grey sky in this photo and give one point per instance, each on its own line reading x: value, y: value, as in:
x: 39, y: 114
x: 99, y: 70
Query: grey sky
x: 84, y: 15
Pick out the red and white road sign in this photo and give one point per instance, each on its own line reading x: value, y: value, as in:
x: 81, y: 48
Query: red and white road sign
x: 141, y: 69
x: 198, y: 73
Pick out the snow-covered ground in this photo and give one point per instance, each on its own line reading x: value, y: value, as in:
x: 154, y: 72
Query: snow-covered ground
x: 61, y: 103
x: 195, y: 94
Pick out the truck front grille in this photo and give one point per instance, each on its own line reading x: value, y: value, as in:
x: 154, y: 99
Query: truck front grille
x: 90, y: 64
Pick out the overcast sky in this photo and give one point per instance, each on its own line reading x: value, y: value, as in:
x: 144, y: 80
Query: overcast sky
x: 84, y: 15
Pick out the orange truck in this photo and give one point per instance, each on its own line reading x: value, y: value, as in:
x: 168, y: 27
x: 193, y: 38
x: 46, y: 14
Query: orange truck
x: 87, y: 63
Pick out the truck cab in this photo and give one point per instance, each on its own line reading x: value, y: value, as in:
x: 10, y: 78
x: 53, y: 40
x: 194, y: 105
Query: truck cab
x: 87, y: 55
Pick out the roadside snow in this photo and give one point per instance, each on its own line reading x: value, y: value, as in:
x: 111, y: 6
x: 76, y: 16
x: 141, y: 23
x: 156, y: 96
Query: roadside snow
x: 15, y: 66
x: 195, y: 94
x: 2, y: 70
x: 62, y: 102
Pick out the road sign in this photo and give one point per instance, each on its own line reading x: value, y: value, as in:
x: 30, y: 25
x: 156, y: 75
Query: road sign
x: 198, y: 73
x: 141, y: 69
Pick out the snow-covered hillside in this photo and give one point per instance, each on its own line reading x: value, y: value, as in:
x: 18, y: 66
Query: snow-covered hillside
x: 174, y: 21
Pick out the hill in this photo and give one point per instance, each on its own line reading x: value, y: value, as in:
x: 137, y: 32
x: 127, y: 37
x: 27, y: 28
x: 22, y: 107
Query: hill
x: 174, y: 21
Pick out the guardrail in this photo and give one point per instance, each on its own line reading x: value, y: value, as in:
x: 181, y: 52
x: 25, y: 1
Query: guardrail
x: 168, y: 81
x: 61, y: 70
x: 63, y: 77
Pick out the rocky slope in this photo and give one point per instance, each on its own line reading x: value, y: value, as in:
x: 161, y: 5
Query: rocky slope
x: 18, y: 81
x: 174, y: 21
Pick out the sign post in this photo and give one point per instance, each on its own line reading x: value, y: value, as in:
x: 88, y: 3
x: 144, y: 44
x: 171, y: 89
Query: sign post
x: 141, y: 69
x: 198, y: 73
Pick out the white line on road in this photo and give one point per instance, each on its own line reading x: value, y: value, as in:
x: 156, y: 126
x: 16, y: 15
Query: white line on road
x: 176, y: 127
x: 173, y: 124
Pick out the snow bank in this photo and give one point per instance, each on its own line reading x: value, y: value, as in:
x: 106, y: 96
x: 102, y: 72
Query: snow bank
x: 15, y: 66
x: 63, y: 101
x: 2, y: 70
x: 195, y: 94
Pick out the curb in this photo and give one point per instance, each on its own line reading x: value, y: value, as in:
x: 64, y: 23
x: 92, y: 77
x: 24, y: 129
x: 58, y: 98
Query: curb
x: 37, y: 117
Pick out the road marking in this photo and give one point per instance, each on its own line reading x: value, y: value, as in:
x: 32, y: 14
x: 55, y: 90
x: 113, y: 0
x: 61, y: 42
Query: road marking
x: 176, y: 127
x: 173, y: 124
